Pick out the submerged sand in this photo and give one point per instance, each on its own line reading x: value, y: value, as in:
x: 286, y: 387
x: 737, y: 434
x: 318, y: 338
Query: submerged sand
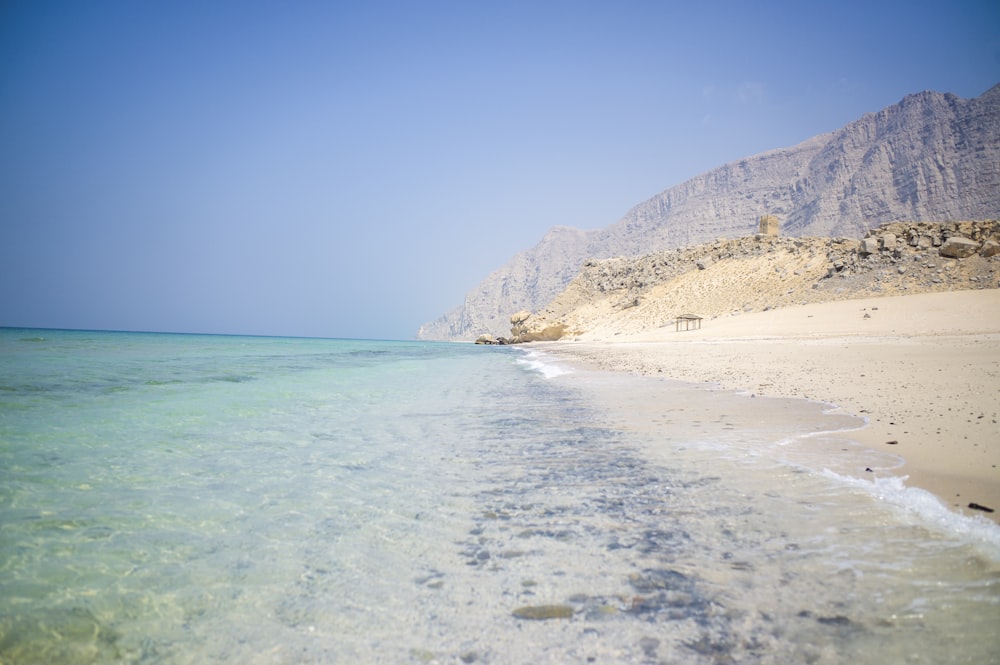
x: 924, y: 370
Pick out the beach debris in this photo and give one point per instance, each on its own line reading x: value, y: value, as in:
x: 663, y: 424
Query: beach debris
x: 892, y: 443
x: 543, y: 612
x: 833, y: 620
x: 976, y: 506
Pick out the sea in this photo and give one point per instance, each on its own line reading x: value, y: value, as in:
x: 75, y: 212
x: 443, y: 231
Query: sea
x: 190, y: 499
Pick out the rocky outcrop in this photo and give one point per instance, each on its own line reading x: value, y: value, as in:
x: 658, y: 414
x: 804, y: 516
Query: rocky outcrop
x: 959, y: 248
x: 914, y: 249
x: 932, y: 156
x: 522, y: 329
x: 762, y: 272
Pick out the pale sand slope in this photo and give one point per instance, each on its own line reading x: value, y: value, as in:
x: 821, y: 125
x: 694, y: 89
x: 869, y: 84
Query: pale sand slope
x: 924, y: 369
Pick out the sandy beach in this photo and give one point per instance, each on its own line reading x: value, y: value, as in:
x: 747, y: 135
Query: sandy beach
x: 924, y: 370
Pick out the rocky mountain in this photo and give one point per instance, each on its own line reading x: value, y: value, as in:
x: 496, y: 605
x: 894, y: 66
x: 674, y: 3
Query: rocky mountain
x: 932, y: 156
x: 759, y: 272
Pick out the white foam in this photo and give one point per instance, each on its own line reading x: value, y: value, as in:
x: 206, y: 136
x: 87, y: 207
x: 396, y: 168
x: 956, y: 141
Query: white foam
x: 920, y: 503
x: 543, y: 364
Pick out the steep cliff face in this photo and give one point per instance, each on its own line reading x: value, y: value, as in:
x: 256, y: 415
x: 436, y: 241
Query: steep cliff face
x: 932, y: 156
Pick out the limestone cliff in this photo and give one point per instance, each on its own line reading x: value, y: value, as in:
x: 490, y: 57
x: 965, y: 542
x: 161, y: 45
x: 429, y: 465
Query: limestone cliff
x: 932, y: 156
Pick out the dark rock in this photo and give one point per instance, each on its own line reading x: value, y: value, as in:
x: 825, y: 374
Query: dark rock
x: 649, y: 646
x: 708, y: 647
x: 655, y: 580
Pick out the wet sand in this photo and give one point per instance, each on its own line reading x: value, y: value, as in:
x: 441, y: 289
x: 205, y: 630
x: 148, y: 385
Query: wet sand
x: 923, y: 370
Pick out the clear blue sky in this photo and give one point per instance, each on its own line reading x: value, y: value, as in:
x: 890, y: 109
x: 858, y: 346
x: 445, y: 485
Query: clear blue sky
x: 352, y: 169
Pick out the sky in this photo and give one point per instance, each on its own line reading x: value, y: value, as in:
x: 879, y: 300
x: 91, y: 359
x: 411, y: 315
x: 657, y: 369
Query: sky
x: 353, y: 169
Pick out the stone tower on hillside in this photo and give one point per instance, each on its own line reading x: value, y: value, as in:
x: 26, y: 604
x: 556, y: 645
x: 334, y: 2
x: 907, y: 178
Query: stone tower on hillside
x: 768, y: 225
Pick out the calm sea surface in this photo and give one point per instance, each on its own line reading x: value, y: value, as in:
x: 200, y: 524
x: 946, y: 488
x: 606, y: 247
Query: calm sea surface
x: 202, y: 499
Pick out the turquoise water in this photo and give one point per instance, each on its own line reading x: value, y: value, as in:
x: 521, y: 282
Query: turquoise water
x: 193, y: 499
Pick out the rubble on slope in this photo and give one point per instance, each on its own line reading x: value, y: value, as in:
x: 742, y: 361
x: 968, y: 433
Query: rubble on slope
x: 761, y: 272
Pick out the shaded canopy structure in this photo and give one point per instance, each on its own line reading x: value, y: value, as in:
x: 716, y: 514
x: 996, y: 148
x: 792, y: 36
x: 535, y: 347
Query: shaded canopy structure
x: 688, y: 321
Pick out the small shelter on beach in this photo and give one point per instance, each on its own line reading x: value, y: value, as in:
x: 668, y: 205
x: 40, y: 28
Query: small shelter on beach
x: 689, y: 321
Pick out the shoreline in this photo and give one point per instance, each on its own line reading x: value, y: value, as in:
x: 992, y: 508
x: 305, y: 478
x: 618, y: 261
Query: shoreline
x: 922, y: 370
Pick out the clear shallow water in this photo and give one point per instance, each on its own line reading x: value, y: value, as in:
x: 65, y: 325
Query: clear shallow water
x: 192, y: 499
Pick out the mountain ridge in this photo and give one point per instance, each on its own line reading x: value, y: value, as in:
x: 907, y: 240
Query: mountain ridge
x: 931, y: 156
